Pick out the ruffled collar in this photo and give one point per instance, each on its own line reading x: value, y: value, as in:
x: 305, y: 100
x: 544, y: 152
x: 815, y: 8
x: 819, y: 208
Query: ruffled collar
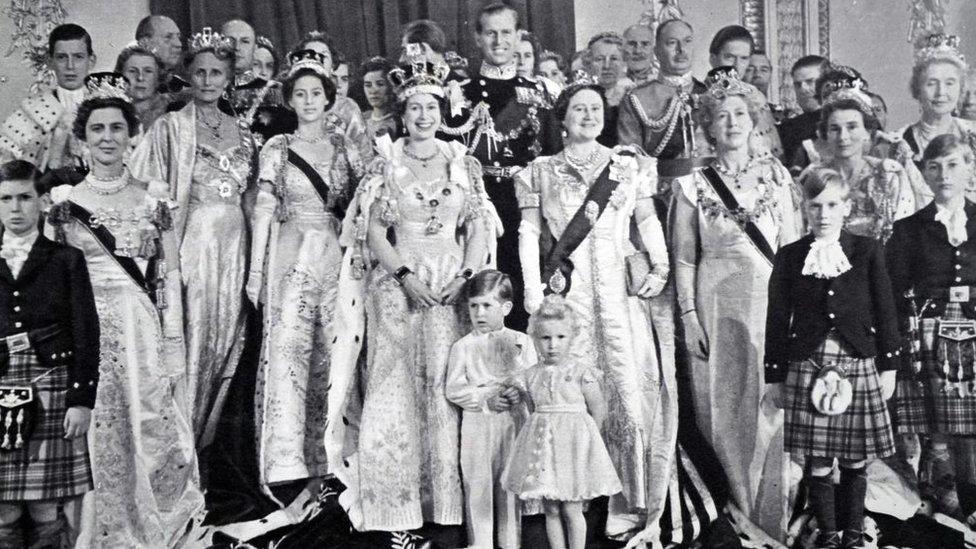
x: 826, y: 258
x: 21, y: 242
x: 504, y: 72
x: 954, y: 219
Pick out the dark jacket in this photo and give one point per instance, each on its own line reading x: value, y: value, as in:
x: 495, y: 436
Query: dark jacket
x: 803, y: 309
x: 53, y: 288
x: 920, y: 257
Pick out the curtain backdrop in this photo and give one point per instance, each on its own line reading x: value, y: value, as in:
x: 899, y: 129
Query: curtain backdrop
x: 363, y: 28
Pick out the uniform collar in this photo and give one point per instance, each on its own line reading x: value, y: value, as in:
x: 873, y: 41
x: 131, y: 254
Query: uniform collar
x: 504, y: 72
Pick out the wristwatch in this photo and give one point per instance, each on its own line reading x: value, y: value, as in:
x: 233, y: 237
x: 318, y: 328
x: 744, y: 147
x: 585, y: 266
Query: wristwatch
x: 401, y: 273
x: 465, y: 274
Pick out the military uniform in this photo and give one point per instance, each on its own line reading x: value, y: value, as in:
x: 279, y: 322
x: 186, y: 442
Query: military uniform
x: 520, y: 113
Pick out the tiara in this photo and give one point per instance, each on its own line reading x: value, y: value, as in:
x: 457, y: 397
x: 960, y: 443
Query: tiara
x: 316, y: 36
x: 939, y: 46
x: 833, y: 86
x: 263, y: 42
x: 307, y: 59
x: 103, y: 85
x: 852, y: 93
x: 207, y: 39
x: 723, y: 83
x: 454, y: 60
x: 582, y: 78
x: 419, y: 75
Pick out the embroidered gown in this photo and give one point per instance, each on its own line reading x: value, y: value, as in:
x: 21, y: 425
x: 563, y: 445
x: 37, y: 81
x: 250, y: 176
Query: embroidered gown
x: 403, y: 470
x: 300, y: 283
x: 731, y: 278
x: 625, y: 338
x: 141, y: 440
x: 207, y: 186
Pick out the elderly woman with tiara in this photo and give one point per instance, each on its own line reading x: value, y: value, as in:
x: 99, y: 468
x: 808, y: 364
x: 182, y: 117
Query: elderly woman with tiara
x: 729, y: 219
x: 144, y: 463
x: 306, y: 180
x: 206, y: 157
x: 421, y: 227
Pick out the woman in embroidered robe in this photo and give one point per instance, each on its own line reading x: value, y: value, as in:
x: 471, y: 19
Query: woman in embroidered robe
x: 615, y: 327
x: 881, y: 191
x: 422, y: 225
x: 206, y: 157
x: 306, y: 181
x: 141, y: 440
x: 721, y: 272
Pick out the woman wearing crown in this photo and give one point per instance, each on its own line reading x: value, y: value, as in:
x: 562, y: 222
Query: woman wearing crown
x: 206, y: 157
x: 588, y: 264
x: 729, y: 219
x: 306, y: 180
x: 141, y: 442
x: 422, y: 226
x: 937, y: 82
x: 881, y: 190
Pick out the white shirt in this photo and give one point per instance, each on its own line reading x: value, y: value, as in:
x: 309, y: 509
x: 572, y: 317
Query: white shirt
x: 954, y: 221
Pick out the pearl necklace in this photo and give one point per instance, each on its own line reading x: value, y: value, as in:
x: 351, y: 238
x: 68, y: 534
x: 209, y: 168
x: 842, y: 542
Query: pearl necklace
x: 736, y: 175
x: 582, y: 165
x: 107, y: 186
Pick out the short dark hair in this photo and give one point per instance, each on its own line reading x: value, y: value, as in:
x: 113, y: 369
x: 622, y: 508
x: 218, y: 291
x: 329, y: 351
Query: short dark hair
x: 728, y: 34
x: 88, y: 106
x: 322, y: 38
x: 425, y: 31
x: 664, y: 24
x: 526, y: 36
x: 815, y: 179
x: 492, y: 9
x: 549, y: 55
x: 562, y: 102
x: 873, y: 95
x: 288, y: 85
x: 21, y: 170
x: 263, y: 43
x: 870, y: 121
x: 947, y: 143
x: 810, y: 61
x: 66, y: 32
x: 490, y: 281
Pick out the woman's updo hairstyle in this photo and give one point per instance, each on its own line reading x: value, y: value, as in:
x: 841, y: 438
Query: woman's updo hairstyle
x: 208, y: 41
x: 307, y: 63
x: 581, y: 81
x: 105, y: 90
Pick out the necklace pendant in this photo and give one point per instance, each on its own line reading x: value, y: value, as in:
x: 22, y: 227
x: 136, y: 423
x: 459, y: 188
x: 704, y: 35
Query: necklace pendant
x: 224, y: 163
x: 434, y: 226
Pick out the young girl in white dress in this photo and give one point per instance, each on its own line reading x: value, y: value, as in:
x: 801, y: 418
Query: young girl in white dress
x: 559, y: 455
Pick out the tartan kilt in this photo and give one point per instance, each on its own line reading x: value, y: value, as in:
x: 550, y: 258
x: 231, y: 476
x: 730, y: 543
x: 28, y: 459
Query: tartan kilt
x: 908, y: 407
x: 949, y: 412
x: 863, y: 431
x: 48, y: 467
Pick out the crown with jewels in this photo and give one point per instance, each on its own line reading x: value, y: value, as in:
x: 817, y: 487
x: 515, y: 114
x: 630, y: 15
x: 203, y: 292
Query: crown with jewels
x: 307, y: 59
x: 207, y: 39
x: 939, y: 46
x: 103, y: 85
x: 418, y: 75
x: 724, y: 82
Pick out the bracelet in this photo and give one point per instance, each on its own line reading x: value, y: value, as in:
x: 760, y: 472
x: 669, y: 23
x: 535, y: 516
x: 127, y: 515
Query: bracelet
x: 401, y: 273
x: 683, y: 313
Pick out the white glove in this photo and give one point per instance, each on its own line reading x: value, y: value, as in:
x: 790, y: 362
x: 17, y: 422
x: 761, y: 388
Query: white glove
x: 531, y: 270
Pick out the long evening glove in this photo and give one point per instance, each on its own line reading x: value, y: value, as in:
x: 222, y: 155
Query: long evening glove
x: 531, y: 270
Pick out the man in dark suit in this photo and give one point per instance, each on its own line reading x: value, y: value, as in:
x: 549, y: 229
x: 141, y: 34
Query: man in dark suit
x: 49, y: 354
x: 794, y: 131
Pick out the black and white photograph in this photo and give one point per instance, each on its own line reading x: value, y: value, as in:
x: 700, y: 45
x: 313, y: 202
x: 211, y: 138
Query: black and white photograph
x: 488, y: 274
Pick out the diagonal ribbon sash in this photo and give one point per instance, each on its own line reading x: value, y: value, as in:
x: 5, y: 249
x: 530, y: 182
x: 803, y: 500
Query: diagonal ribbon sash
x: 728, y: 199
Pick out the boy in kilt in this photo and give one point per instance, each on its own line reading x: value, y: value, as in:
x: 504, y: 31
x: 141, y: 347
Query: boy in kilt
x: 932, y: 262
x: 832, y: 347
x: 48, y: 368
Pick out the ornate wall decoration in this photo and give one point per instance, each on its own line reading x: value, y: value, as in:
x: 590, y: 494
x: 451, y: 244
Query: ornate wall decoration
x: 752, y: 14
x: 790, y: 44
x: 823, y: 27
x: 926, y: 17
x: 33, y: 21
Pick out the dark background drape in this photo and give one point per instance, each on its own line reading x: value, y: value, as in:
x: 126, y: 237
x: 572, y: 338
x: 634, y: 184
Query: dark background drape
x: 363, y: 28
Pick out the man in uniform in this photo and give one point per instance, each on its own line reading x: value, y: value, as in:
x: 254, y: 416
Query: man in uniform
x: 40, y: 130
x: 505, y: 126
x: 803, y: 127
x: 657, y: 115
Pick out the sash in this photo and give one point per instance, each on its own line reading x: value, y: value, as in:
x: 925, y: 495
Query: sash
x: 105, y: 238
x: 731, y: 204
x: 321, y: 187
x: 558, y: 269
